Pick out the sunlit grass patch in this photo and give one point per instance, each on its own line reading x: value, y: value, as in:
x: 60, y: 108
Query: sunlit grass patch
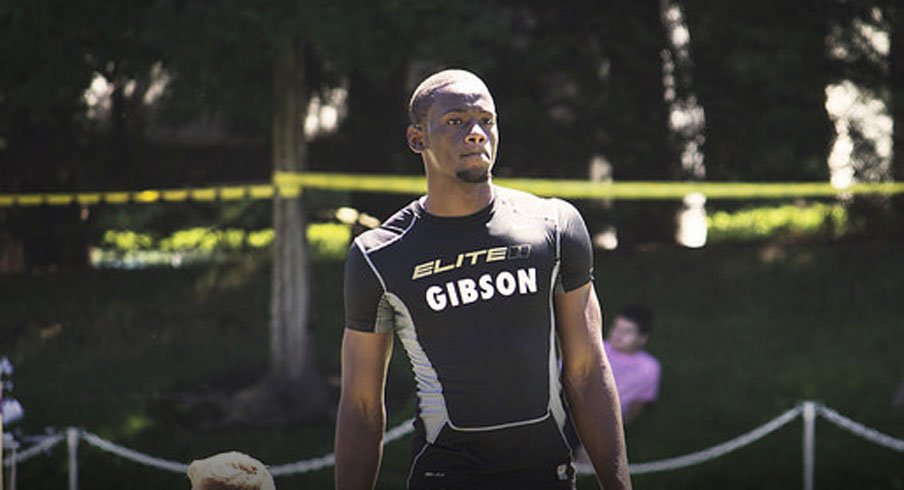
x: 773, y: 221
x: 131, y: 249
x: 329, y: 240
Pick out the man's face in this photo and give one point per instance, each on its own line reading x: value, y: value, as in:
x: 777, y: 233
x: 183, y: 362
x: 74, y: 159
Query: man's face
x: 624, y: 335
x: 459, y: 136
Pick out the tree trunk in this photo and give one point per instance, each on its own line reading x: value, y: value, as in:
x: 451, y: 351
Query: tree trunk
x: 896, y: 70
x: 290, y: 298
x: 294, y: 389
x: 12, y: 253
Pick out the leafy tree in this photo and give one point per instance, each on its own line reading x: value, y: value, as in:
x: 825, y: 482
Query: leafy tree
x: 573, y: 82
x: 860, y: 56
x: 895, y: 14
x: 761, y: 72
x: 50, y: 53
x: 258, y: 65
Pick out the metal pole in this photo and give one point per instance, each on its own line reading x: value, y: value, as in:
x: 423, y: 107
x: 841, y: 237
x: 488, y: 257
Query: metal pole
x: 1, y: 434
x: 12, y: 467
x: 809, y: 443
x: 72, y: 442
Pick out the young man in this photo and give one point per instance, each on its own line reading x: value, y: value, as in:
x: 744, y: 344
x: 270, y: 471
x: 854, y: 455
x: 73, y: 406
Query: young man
x: 478, y: 282
x: 636, y: 371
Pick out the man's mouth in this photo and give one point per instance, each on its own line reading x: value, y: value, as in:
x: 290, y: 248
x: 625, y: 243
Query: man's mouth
x: 474, y: 154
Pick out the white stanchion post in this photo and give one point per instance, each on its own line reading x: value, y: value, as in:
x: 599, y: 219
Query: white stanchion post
x: 72, y: 442
x: 809, y: 443
x: 1, y: 435
x: 12, y: 467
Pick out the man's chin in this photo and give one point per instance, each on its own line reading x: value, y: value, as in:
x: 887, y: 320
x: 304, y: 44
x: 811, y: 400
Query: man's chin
x: 473, y: 176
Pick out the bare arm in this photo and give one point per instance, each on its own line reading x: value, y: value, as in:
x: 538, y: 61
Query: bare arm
x: 590, y: 387
x: 361, y: 418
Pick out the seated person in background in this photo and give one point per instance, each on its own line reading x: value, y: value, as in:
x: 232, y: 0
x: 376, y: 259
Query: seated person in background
x: 636, y: 372
x: 229, y: 471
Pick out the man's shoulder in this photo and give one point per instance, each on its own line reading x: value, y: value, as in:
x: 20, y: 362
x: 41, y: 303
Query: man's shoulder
x: 529, y: 204
x: 390, y: 230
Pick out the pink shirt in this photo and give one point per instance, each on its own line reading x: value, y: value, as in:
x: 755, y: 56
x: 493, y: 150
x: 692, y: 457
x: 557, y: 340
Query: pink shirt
x: 636, y: 376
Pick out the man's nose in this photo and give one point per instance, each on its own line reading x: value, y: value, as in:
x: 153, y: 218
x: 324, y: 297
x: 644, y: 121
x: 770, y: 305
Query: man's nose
x: 476, y: 135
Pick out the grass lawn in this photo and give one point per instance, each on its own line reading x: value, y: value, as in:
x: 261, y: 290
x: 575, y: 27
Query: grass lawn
x: 743, y: 333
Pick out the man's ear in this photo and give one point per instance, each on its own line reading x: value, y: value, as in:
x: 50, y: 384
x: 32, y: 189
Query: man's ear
x: 417, y: 140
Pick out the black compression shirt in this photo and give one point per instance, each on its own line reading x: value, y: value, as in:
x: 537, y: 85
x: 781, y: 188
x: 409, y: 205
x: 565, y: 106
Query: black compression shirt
x: 471, y: 300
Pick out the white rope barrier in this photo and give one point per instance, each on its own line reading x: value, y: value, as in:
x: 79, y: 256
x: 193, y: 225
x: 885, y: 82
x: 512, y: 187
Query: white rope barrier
x: 304, y: 466
x: 45, y: 445
x: 315, y: 464
x: 861, y: 430
x: 133, y: 455
x: 399, y: 431
x: 711, y: 453
x: 407, y: 427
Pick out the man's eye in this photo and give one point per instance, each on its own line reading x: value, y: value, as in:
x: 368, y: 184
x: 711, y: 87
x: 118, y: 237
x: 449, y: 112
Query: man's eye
x: 454, y: 121
x: 489, y: 121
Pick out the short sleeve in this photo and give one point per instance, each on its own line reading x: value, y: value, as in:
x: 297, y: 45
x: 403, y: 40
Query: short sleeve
x: 650, y: 390
x: 575, y: 249
x: 363, y: 292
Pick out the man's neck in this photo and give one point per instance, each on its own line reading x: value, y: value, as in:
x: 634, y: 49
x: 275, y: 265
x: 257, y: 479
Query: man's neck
x: 457, y: 199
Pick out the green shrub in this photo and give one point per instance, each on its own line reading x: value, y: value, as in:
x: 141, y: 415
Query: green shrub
x: 772, y: 221
x: 126, y: 240
x: 327, y: 241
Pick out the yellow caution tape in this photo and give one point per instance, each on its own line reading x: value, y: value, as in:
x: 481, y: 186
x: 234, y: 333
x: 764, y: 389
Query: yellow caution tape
x: 88, y: 198
x: 30, y: 199
x: 583, y: 189
x: 146, y: 196
x: 260, y: 191
x: 290, y: 184
x: 117, y: 197
x: 391, y: 184
x: 206, y: 194
x: 175, y: 195
x: 233, y: 193
x: 59, y: 199
x: 289, y: 191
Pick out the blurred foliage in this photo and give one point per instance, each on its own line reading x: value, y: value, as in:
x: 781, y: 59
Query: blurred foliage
x: 571, y: 83
x: 797, y: 220
x: 760, y: 70
x: 592, y: 74
x: 329, y: 241
x: 128, y: 240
